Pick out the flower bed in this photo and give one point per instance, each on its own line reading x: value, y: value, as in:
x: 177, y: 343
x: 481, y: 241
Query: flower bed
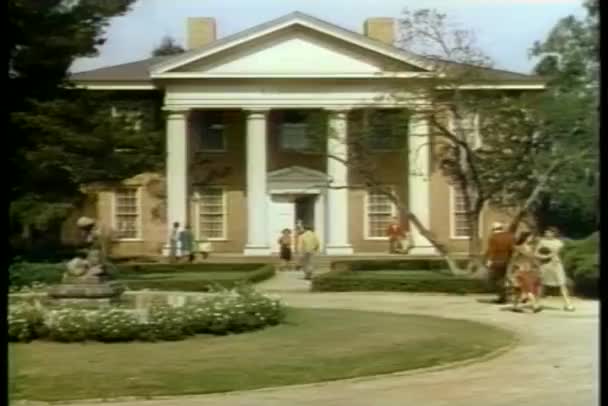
x: 235, y: 311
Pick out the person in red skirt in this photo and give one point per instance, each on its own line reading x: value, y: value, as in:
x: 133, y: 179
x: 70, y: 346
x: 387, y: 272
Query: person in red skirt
x: 524, y: 272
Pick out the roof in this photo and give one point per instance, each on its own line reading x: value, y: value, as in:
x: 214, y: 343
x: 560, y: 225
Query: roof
x: 139, y: 71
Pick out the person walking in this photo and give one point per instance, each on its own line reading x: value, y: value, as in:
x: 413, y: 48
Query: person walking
x: 186, y: 241
x: 285, y: 249
x: 498, y: 255
x: 308, y: 247
x: 524, y: 273
x: 551, y: 267
x: 173, y: 242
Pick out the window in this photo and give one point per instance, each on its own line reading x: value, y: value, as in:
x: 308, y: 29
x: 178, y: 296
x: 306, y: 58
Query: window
x: 294, y: 132
x: 379, y: 211
x: 132, y: 116
x: 212, y: 214
x: 459, y: 223
x: 384, y: 129
x: 467, y: 128
x: 213, y: 132
x: 126, y: 214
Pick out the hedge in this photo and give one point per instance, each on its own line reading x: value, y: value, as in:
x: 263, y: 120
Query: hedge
x: 196, y: 267
x: 409, y: 281
x: 405, y: 264
x: 198, y: 282
x: 581, y: 261
x: 26, y: 274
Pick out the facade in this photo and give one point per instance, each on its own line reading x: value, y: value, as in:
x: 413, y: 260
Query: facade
x: 241, y: 165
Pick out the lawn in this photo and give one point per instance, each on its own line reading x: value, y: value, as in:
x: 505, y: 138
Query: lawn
x: 312, y: 346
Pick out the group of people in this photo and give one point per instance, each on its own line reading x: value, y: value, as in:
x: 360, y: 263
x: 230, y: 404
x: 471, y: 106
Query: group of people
x: 306, y: 245
x: 183, y: 245
x: 522, y: 266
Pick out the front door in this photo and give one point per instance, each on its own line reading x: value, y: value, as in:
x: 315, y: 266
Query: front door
x: 282, y: 216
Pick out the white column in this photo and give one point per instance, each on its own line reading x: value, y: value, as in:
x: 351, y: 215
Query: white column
x: 257, y: 202
x: 337, y: 194
x: 419, y: 202
x: 177, y: 168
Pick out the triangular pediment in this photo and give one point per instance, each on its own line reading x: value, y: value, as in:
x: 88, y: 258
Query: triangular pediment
x: 296, y: 175
x: 295, y: 52
x: 296, y: 45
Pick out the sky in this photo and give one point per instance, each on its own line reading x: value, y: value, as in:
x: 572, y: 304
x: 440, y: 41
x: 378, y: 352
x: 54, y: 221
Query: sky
x: 505, y: 29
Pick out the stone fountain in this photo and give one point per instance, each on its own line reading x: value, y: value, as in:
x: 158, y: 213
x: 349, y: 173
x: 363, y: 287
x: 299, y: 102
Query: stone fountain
x: 86, y: 280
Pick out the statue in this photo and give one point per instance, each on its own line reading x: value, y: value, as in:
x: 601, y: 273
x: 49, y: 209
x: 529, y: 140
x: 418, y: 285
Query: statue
x: 86, y: 278
x: 91, y: 269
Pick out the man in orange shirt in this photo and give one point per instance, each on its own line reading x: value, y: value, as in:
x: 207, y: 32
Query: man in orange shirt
x: 395, y: 234
x: 498, y: 255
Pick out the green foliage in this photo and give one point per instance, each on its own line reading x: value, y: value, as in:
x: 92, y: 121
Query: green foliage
x: 581, y: 261
x: 115, y: 325
x: 25, y: 322
x: 402, y: 265
x: 23, y: 274
x: 396, y: 281
x: 71, y: 325
x: 170, y: 277
x: 168, y: 46
x: 128, y: 269
x: 165, y: 323
x: 228, y: 311
x: 193, y: 280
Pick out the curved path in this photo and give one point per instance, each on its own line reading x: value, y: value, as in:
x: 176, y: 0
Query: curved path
x: 554, y: 364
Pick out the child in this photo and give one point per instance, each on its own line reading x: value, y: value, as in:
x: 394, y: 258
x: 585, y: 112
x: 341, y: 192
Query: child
x: 524, y: 272
x: 285, y: 249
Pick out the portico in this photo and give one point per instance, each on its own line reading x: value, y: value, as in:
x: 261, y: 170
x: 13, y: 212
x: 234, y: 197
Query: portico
x: 329, y: 190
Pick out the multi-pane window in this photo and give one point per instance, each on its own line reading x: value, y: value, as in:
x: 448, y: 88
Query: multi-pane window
x: 380, y: 211
x: 211, y: 214
x: 295, y: 132
x: 466, y: 126
x: 126, y: 213
x: 131, y: 116
x: 213, y: 131
x: 384, y: 129
x: 460, y: 224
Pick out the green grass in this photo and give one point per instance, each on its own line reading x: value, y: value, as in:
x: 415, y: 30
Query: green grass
x: 194, y: 279
x: 312, y: 346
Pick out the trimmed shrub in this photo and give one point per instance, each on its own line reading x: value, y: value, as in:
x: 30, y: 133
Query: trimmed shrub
x: 114, y: 325
x: 405, y: 264
x: 581, y: 261
x: 166, y: 323
x: 23, y: 274
x: 407, y: 281
x: 197, y: 283
x: 25, y: 322
x: 198, y: 267
x: 71, y: 325
x: 239, y: 310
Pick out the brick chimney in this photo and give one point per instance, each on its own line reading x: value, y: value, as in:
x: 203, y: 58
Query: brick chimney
x: 200, y: 32
x: 381, y: 29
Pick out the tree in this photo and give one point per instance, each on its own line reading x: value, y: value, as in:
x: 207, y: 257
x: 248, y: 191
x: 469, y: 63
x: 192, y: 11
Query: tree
x: 50, y: 124
x: 570, y: 57
x: 168, y: 46
x: 499, y: 148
